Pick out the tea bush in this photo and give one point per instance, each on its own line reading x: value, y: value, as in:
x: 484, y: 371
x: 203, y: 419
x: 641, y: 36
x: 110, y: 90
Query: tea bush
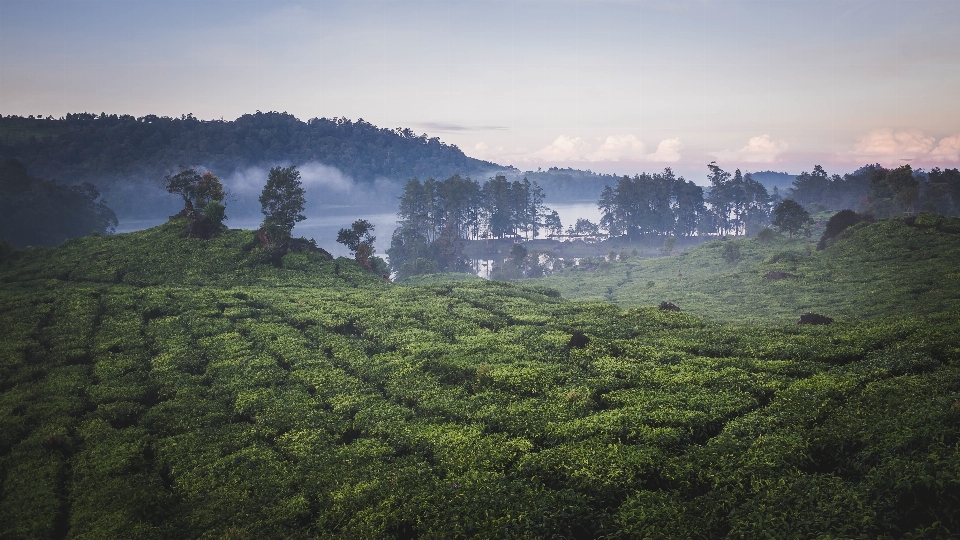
x: 153, y: 386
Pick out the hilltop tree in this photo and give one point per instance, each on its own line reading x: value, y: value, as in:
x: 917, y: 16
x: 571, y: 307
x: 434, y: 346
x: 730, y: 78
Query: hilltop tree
x: 789, y: 216
x: 282, y: 201
x: 197, y: 189
x: 202, y: 201
x: 359, y: 241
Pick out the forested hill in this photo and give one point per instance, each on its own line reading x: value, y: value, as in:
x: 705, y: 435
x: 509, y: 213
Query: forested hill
x: 90, y: 147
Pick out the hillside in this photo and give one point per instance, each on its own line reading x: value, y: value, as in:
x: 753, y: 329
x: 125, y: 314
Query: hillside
x: 106, y: 148
x: 891, y: 267
x: 153, y: 386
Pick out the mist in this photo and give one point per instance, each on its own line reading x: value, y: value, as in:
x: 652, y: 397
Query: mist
x: 334, y: 200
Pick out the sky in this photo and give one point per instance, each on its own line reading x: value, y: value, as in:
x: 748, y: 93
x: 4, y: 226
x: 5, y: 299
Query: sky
x: 611, y: 86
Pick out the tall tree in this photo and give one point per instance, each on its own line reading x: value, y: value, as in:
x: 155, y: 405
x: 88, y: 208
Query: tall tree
x: 689, y: 207
x: 720, y: 197
x: 282, y: 201
x: 499, y: 202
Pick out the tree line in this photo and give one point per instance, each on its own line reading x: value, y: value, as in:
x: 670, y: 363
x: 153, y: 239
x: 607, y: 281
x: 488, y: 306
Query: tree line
x: 668, y: 205
x: 736, y: 204
x: 436, y: 217
x: 37, y: 212
x: 146, y: 145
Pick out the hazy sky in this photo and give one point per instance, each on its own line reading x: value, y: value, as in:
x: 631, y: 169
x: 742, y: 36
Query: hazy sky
x: 613, y: 86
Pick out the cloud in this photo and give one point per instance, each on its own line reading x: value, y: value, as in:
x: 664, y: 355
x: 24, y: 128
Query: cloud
x: 948, y: 149
x: 482, y: 150
x: 313, y: 175
x: 564, y: 148
x: 318, y: 175
x: 617, y: 147
x: 762, y: 149
x: 886, y: 142
x: 668, y: 151
x: 445, y: 127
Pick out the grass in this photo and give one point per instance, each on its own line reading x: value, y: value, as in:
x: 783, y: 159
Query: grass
x: 153, y: 386
x: 893, y: 267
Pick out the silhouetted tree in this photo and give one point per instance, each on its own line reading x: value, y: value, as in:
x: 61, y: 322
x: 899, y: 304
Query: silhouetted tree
x: 359, y: 241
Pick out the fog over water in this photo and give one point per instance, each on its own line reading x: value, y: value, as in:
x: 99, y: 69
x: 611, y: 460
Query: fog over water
x: 333, y: 201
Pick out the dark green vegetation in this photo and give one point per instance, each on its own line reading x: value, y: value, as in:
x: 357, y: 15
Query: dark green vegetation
x: 156, y: 386
x: 435, y: 218
x: 35, y: 212
x: 202, y: 201
x: 124, y: 146
x: 909, y: 265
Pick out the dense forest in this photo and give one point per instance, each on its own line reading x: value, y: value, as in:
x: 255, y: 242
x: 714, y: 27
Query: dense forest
x: 158, y: 386
x: 90, y: 147
x: 36, y: 212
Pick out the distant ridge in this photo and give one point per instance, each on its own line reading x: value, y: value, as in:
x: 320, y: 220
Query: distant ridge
x: 91, y: 147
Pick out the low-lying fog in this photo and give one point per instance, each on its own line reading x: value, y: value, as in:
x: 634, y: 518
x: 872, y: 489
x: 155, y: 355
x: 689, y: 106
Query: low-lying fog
x: 334, y: 201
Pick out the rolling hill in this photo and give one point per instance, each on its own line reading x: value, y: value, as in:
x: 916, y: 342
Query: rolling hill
x: 155, y: 386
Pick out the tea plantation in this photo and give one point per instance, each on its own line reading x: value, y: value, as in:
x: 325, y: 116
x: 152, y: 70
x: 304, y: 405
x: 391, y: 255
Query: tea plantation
x: 153, y: 386
x: 898, y: 266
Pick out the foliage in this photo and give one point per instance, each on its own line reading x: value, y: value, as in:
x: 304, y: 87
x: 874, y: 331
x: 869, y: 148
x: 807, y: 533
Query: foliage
x: 838, y: 223
x: 436, y: 217
x: 870, y: 270
x: 282, y: 199
x: 124, y: 145
x: 360, y: 242
x: 766, y: 235
x: 203, y: 197
x: 790, y: 217
x: 357, y: 234
x: 737, y: 203
x: 651, y: 204
x: 879, y: 191
x: 35, y: 212
x: 197, y: 190
x: 155, y: 386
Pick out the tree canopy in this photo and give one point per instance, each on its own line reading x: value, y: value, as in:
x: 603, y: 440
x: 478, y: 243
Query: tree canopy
x: 282, y: 199
x: 435, y: 217
x: 789, y: 216
x: 125, y: 145
x: 35, y: 212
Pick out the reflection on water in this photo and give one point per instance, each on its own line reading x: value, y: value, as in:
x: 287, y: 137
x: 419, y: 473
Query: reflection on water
x: 323, y: 224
